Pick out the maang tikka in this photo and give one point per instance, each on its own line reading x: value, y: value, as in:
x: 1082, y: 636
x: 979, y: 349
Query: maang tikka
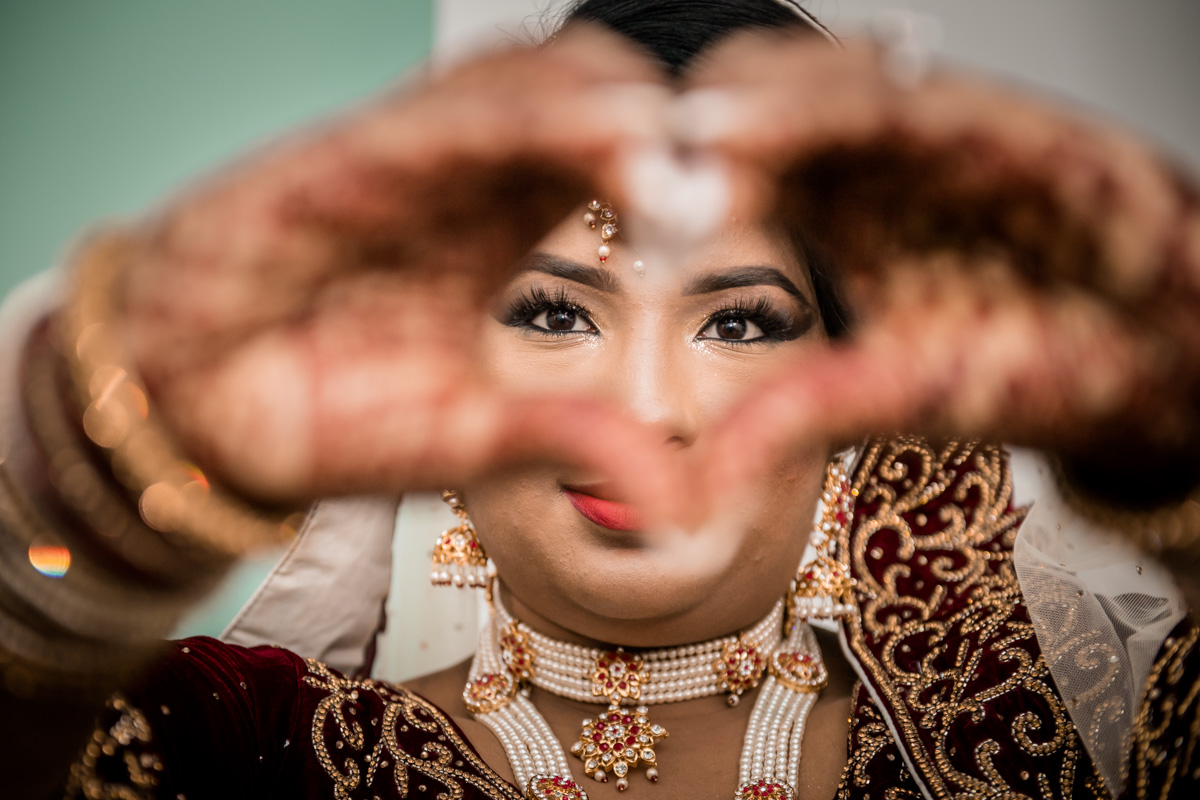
x: 458, y: 557
x: 603, y: 216
x: 823, y: 588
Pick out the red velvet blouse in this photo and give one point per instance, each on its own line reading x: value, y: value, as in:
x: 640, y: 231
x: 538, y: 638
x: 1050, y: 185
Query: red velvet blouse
x: 955, y: 698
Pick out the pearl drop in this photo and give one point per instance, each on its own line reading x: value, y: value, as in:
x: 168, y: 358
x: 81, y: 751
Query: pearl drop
x: 600, y: 776
x: 652, y: 775
x: 604, y: 251
x: 622, y: 785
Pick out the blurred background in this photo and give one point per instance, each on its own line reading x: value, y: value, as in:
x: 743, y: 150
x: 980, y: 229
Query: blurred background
x: 107, y: 106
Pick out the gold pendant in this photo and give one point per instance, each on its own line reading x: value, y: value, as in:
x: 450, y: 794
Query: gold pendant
x: 619, y: 740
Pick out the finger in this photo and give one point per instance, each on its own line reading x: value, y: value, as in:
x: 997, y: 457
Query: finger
x: 293, y: 426
x: 989, y: 363
x: 954, y: 162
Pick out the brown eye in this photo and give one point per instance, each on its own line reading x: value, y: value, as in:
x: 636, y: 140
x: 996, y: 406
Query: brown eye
x: 732, y: 329
x: 561, y: 319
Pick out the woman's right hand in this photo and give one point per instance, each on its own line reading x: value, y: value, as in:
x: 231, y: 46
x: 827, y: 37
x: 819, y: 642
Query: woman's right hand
x: 307, y: 321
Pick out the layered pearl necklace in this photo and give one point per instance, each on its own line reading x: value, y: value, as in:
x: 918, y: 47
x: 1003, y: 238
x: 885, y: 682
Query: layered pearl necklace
x: 512, y: 657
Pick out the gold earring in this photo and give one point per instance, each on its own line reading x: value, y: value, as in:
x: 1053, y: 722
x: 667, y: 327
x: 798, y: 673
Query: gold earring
x: 823, y: 588
x: 458, y: 557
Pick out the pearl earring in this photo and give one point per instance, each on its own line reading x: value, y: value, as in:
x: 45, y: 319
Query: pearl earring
x: 458, y: 557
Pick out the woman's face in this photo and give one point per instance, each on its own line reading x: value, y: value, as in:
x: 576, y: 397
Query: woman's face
x: 676, y: 346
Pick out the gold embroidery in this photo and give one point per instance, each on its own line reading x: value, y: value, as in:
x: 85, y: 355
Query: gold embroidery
x: 870, y: 740
x: 124, y: 738
x: 1167, y: 728
x: 941, y: 652
x: 341, y: 748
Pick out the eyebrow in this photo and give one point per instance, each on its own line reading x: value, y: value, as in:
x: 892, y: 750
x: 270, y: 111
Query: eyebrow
x: 599, y: 279
x: 742, y: 277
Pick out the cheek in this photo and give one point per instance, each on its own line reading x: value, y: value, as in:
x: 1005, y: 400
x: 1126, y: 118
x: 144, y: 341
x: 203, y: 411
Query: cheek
x: 516, y: 514
x: 784, y: 511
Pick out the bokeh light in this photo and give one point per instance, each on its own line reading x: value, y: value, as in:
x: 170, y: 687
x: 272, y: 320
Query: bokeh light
x: 50, y: 560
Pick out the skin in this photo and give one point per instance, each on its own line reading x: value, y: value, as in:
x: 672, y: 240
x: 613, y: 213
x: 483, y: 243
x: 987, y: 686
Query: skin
x: 669, y: 354
x: 289, y: 319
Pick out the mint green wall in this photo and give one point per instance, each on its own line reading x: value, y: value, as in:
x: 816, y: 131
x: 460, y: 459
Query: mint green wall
x: 106, y: 105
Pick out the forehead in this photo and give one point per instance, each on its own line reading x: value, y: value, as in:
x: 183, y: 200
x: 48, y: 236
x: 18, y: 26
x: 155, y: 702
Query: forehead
x: 737, y: 243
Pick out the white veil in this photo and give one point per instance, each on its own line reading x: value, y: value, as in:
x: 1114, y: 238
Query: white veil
x: 1101, y: 609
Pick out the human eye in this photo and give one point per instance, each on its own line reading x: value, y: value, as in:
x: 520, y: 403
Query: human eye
x: 554, y: 314
x: 757, y: 322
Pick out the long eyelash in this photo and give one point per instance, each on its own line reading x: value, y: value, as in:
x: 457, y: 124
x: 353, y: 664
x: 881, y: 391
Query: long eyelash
x: 776, y: 325
x: 534, y: 301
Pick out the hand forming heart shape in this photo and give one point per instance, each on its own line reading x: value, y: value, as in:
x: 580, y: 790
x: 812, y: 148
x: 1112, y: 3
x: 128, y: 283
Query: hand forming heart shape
x: 307, y: 322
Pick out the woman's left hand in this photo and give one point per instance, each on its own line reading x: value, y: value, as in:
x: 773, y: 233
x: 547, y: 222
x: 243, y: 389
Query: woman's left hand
x: 1017, y: 272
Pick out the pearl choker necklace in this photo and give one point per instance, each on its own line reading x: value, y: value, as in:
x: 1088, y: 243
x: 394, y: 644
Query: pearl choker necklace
x: 512, y: 657
x: 668, y: 675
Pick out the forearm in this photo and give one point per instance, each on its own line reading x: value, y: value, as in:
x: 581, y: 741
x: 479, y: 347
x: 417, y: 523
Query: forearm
x: 87, y: 590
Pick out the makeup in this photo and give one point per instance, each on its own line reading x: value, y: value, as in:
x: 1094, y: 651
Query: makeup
x: 606, y: 513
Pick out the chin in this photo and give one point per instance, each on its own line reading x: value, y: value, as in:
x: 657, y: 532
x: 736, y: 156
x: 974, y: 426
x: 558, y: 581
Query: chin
x: 628, y: 587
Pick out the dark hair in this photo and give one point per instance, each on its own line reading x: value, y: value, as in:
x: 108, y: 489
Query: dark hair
x: 676, y: 32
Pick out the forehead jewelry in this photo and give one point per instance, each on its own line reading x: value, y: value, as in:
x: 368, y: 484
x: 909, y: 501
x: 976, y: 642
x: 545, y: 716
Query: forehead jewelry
x: 603, y: 216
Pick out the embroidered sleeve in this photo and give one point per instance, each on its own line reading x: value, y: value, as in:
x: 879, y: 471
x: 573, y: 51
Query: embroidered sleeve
x: 944, y: 640
x: 876, y: 767
x: 208, y: 720
x: 216, y: 720
x: 1165, y: 761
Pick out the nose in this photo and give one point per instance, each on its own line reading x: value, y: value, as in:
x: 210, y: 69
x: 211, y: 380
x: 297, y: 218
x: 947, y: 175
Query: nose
x: 652, y: 379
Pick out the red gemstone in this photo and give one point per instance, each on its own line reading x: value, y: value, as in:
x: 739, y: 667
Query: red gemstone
x: 596, y: 737
x: 627, y: 719
x: 808, y: 576
x: 635, y: 730
x: 603, y: 747
x: 629, y: 741
x: 608, y: 685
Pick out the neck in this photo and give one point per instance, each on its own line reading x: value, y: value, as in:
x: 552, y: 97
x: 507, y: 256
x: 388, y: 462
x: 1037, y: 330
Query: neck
x: 634, y: 634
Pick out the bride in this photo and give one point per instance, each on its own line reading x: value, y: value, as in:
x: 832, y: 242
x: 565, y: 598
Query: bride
x: 640, y: 422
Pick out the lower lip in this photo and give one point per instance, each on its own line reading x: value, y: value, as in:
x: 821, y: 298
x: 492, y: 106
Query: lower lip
x: 605, y: 513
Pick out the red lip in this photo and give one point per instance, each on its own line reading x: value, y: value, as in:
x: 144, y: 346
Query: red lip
x: 605, y: 513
